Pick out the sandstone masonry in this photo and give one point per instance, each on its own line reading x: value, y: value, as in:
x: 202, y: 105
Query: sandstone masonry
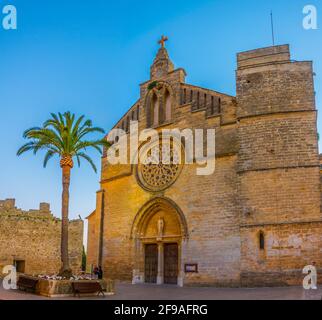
x: 31, y: 239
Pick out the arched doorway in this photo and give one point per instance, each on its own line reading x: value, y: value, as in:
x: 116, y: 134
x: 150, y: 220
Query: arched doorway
x: 159, y: 232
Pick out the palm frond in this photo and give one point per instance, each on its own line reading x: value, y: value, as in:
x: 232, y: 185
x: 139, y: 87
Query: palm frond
x: 88, y: 159
x: 26, y: 132
x: 26, y: 147
x: 64, y: 134
x: 88, y: 130
x: 48, y: 156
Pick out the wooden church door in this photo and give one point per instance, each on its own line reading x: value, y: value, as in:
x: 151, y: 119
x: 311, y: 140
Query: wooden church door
x: 171, y: 263
x: 151, y: 263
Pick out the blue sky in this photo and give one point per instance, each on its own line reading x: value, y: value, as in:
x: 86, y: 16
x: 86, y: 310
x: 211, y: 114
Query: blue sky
x: 89, y: 57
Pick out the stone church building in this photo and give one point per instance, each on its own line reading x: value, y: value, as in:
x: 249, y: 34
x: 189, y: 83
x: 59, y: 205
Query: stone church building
x: 256, y: 221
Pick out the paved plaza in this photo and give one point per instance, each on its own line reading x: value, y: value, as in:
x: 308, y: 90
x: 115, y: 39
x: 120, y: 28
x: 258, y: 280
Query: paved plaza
x: 125, y: 291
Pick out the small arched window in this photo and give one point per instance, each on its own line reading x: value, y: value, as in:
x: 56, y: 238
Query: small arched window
x: 155, y: 109
x: 212, y: 105
x: 167, y: 103
x: 137, y: 113
x: 261, y: 240
x: 127, y: 123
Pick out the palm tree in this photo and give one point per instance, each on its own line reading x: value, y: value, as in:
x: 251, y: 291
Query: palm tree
x: 64, y: 135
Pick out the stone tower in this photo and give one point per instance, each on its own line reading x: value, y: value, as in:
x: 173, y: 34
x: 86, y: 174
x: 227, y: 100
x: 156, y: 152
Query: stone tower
x: 278, y: 164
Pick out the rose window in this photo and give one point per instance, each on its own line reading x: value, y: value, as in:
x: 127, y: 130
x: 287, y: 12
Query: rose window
x: 160, y: 168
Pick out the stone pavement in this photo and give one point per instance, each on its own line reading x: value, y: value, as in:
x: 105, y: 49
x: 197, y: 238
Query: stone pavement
x: 125, y: 291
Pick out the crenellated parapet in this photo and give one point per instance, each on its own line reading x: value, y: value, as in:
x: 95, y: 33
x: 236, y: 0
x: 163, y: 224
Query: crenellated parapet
x: 7, y: 207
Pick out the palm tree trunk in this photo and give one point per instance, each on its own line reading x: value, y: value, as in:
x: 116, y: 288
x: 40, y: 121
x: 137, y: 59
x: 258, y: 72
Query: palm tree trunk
x: 65, y: 268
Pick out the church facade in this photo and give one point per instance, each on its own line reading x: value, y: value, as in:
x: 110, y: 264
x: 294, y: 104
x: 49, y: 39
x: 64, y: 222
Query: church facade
x: 256, y: 221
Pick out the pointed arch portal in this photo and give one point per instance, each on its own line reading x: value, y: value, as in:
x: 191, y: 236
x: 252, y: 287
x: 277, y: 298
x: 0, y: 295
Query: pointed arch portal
x: 159, y: 232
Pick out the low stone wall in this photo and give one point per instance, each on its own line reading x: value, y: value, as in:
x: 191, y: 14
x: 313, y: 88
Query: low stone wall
x: 276, y: 279
x: 60, y: 288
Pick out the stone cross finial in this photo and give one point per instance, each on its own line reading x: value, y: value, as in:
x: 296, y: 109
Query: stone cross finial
x: 163, y: 40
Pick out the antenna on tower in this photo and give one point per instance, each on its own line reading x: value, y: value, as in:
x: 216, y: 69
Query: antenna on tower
x: 272, y: 26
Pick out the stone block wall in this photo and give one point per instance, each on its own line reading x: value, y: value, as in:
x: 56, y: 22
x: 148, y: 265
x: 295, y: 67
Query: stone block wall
x: 34, y: 237
x: 288, y: 247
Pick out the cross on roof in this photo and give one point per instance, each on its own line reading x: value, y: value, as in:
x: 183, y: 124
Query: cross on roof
x: 162, y: 41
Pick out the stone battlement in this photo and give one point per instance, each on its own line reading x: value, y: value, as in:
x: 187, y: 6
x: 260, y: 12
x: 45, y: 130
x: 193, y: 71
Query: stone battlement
x: 7, y: 204
x: 8, y: 207
x: 263, y: 56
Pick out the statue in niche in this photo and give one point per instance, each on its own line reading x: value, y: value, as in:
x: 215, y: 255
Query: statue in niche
x: 160, y: 227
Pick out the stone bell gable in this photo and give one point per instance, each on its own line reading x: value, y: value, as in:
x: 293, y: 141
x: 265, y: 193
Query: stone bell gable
x: 166, y: 99
x: 256, y: 221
